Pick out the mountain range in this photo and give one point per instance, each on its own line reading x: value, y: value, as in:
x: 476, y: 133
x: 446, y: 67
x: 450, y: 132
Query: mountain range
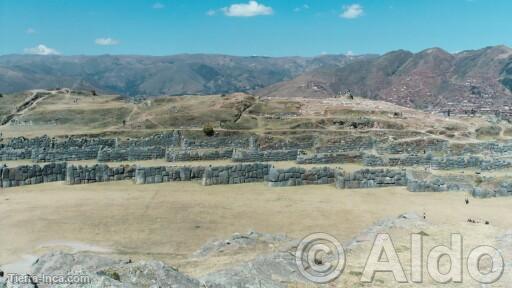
x: 430, y: 79
x: 151, y: 76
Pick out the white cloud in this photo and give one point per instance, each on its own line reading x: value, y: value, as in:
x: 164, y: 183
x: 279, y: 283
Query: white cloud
x: 350, y: 53
x: 352, y: 11
x: 41, y: 50
x: 301, y: 8
x: 30, y: 30
x: 106, y: 41
x: 158, y: 5
x: 211, y: 12
x: 250, y: 9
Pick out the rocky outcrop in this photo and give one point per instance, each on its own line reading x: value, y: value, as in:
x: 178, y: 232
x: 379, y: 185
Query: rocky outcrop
x: 94, y: 271
x: 239, y: 241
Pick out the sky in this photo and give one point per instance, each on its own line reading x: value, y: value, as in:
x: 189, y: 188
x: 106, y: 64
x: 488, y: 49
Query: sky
x: 247, y: 27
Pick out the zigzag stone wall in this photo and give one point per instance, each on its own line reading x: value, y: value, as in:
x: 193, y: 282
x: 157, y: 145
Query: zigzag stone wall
x: 347, y: 144
x: 326, y: 158
x: 264, y: 156
x: 371, y: 178
x: 434, y: 183
x: 414, y: 146
x: 130, y: 154
x: 441, y: 163
x: 166, y: 139
x: 32, y: 174
x: 60, y: 154
x: 83, y: 142
x: 194, y: 155
x: 97, y: 173
x: 299, y: 176
x: 9, y: 154
x: 217, y: 142
x: 235, y: 174
x: 47, y: 142
x: 28, y: 143
x: 151, y: 175
x: 502, y: 189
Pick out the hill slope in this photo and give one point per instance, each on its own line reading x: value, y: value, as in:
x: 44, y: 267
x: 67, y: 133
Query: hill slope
x: 430, y: 79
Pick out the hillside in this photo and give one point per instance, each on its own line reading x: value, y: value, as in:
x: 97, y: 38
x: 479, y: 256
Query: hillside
x: 430, y: 79
x: 154, y: 76
x: 61, y: 112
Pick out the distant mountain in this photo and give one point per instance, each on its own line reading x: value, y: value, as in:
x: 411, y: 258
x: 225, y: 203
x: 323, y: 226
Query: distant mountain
x: 430, y: 79
x: 152, y: 76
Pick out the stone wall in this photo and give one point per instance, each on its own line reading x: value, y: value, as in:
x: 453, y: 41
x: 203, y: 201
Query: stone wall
x: 196, y: 155
x: 235, y: 174
x: 299, y: 176
x: 292, y: 142
x: 130, y: 154
x: 469, y: 162
x: 217, y: 141
x: 61, y: 154
x: 9, y: 154
x: 151, y: 175
x: 490, y: 187
x: 97, y: 173
x: 32, y: 174
x: 28, y: 143
x: 165, y: 139
x: 56, y: 143
x: 83, y: 142
x: 440, y: 163
x: 416, y: 146
x: 326, y: 158
x: 426, y: 182
x: 264, y: 156
x: 371, y: 178
x: 346, y: 144
x: 404, y: 160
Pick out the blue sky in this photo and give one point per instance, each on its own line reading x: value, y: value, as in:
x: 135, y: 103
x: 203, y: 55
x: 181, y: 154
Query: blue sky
x: 243, y: 27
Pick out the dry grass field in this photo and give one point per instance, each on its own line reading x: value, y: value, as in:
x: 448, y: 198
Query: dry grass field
x: 171, y: 221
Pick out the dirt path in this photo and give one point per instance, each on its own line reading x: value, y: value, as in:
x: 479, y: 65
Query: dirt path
x: 36, y: 97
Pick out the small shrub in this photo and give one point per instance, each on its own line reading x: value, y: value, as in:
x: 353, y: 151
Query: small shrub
x: 112, y: 274
x: 208, y: 130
